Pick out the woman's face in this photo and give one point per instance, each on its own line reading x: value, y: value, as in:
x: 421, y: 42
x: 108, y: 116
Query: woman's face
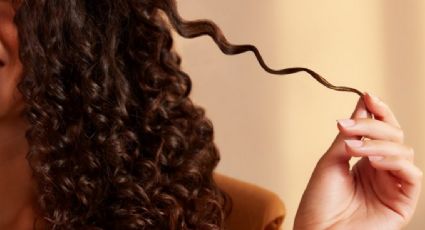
x: 10, y: 66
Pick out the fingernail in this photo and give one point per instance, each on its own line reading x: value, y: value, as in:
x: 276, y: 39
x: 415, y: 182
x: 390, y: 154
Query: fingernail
x: 376, y: 158
x: 363, y: 114
x: 354, y: 143
x: 346, y: 122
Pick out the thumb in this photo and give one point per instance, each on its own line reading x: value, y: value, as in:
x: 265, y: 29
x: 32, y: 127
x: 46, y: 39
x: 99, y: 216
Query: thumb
x: 336, y: 153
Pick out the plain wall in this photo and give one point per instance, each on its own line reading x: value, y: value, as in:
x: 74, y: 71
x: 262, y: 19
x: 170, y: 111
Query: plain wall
x: 272, y: 130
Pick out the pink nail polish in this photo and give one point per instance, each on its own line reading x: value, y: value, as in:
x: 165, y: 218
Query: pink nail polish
x: 376, y: 158
x: 354, y: 143
x: 346, y: 122
x: 363, y: 114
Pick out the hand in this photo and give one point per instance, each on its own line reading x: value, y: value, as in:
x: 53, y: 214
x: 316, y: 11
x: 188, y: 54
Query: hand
x: 379, y: 192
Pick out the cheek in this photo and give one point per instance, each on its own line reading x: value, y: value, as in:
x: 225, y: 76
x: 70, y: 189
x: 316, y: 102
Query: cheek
x: 11, y: 102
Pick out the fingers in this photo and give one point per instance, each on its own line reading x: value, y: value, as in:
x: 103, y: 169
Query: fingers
x: 373, y: 129
x: 383, y: 147
x: 408, y: 175
x: 335, y: 154
x: 360, y: 111
x: 401, y: 168
x: 377, y: 149
x: 380, y: 110
x: 395, y: 158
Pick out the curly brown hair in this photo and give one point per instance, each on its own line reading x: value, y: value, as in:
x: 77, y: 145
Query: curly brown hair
x: 115, y: 141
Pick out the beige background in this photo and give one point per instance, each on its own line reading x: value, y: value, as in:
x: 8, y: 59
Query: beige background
x: 272, y: 130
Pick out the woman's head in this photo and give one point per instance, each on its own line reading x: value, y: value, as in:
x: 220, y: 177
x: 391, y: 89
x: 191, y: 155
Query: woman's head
x: 115, y: 142
x: 10, y: 65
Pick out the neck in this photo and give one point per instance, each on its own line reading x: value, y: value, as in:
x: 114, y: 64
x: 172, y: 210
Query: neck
x: 16, y: 183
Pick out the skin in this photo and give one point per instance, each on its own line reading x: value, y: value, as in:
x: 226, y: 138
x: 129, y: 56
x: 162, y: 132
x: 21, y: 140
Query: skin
x: 382, y: 189
x: 378, y: 194
x: 16, y: 183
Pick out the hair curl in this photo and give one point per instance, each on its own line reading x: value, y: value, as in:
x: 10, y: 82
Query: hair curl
x: 115, y: 141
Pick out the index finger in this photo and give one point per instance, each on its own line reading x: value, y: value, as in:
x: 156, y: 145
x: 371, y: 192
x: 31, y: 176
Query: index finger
x: 380, y: 110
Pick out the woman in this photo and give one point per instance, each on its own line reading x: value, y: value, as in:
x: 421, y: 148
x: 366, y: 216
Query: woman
x: 97, y: 131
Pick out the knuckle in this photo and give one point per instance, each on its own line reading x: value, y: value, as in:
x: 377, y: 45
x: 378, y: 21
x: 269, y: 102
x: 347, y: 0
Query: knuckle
x: 400, y: 135
x: 368, y: 143
x: 386, y: 107
x: 411, y: 150
x: 419, y: 174
x: 410, y: 153
x: 387, y: 112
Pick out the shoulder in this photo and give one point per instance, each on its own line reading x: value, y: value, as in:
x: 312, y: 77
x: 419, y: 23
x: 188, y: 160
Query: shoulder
x: 253, y: 206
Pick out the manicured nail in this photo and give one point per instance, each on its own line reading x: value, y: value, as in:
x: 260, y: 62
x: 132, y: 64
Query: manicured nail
x: 346, y: 122
x: 376, y: 158
x: 363, y: 114
x: 354, y: 143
